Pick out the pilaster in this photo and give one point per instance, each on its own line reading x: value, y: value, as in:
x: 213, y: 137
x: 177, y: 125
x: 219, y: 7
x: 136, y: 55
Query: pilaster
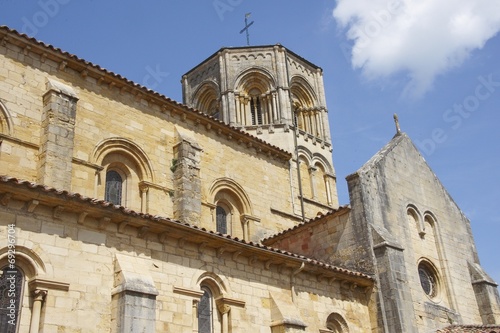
x: 58, y: 131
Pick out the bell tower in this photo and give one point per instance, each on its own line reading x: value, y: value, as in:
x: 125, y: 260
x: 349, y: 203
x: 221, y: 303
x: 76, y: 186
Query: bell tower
x: 276, y: 95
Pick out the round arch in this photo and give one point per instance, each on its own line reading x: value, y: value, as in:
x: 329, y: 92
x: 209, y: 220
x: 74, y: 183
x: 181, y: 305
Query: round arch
x: 255, y: 78
x: 430, y: 218
x: 224, y: 184
x: 302, y: 92
x: 321, y: 160
x: 207, y: 98
x: 305, y: 154
x: 124, y: 147
x: 6, y: 125
x: 336, y: 323
x: 214, y: 282
x: 30, y: 262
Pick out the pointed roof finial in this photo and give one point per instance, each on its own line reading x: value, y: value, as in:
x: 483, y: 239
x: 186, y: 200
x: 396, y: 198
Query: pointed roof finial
x: 396, y: 121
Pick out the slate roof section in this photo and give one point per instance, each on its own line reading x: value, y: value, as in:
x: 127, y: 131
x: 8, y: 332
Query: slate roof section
x: 98, y: 203
x: 8, y: 34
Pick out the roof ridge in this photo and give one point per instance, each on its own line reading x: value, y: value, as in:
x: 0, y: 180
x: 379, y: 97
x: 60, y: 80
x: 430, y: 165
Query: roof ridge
x: 138, y: 86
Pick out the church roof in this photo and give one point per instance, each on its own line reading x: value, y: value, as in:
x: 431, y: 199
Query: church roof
x: 319, y: 218
x: 104, y: 76
x: 381, y: 154
x: 26, y: 190
x: 470, y: 329
x: 255, y: 47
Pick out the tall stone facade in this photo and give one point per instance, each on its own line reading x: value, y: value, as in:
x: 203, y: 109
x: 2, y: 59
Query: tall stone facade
x: 405, y: 229
x: 130, y: 212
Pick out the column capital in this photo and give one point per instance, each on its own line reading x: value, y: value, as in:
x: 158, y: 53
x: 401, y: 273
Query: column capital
x: 312, y: 169
x: 39, y: 294
x: 222, y: 307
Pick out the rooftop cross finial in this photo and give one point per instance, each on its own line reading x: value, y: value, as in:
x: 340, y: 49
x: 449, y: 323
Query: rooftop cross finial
x: 247, y: 25
x: 396, y: 121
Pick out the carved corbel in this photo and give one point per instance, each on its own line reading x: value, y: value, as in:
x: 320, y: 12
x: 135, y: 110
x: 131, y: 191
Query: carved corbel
x: 236, y: 255
x: 344, y: 284
x: 220, y: 251
x: 252, y: 260
x: 143, y: 232
x: 62, y: 65
x: 5, y: 199
x: 181, y: 242
x: 163, y: 237
x: 32, y: 205
x: 103, y: 223
x: 202, y: 247
x: 57, y: 211
x: 81, y: 217
x: 121, y: 226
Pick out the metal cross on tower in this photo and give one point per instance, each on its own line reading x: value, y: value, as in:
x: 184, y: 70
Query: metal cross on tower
x: 247, y: 25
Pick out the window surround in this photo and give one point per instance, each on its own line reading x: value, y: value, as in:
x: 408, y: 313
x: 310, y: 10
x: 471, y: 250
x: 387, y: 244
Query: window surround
x: 430, y: 281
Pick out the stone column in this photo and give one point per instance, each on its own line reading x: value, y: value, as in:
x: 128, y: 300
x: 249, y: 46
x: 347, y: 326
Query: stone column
x: 328, y: 190
x: 231, y: 107
x: 275, y: 107
x: 58, y: 131
x: 38, y: 298
x: 144, y: 198
x: 224, y: 310
x: 312, y: 175
x: 196, y: 302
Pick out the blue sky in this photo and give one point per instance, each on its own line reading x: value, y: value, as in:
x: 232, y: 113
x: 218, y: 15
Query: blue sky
x: 435, y: 63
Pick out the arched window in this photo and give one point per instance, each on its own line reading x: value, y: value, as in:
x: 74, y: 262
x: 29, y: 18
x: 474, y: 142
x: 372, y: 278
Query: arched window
x: 256, y: 110
x: 205, y: 312
x: 114, y: 187
x: 336, y: 323
x: 11, y: 289
x: 221, y: 220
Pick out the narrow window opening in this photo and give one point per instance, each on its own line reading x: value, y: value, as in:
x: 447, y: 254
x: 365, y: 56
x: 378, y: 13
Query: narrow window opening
x: 114, y: 187
x: 256, y: 111
x: 221, y: 219
x: 205, y: 312
x: 11, y: 288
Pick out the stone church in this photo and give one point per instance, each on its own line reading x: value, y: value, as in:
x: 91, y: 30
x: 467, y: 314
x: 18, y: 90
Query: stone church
x: 122, y: 210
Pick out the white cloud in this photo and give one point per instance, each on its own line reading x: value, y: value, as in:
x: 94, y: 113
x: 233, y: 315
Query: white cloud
x: 422, y: 38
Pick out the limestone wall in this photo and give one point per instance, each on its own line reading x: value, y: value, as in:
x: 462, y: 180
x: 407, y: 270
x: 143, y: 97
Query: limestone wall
x: 96, y: 259
x: 408, y: 211
x: 116, y: 124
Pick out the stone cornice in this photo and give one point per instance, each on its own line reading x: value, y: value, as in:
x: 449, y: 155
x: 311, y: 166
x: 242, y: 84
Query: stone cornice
x: 86, y: 70
x: 162, y: 230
